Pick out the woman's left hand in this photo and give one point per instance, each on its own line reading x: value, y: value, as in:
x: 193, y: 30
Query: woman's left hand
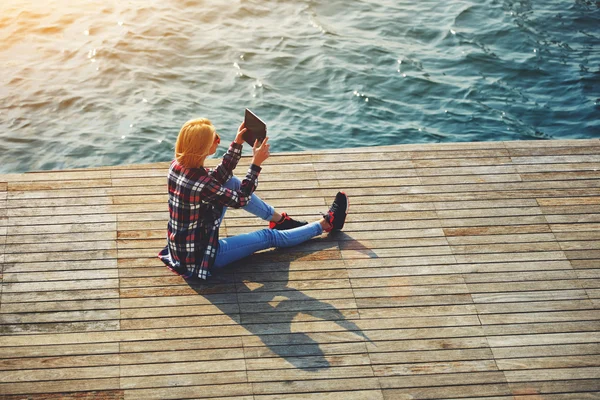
x: 239, y: 138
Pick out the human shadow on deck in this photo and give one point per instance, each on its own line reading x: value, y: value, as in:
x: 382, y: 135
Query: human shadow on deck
x: 269, y: 305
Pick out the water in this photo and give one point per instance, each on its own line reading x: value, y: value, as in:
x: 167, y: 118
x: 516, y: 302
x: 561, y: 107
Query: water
x: 93, y: 83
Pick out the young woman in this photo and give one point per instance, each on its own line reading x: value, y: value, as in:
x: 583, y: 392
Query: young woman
x: 199, y: 197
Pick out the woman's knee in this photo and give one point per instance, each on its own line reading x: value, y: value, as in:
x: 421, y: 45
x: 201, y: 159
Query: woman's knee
x: 234, y: 183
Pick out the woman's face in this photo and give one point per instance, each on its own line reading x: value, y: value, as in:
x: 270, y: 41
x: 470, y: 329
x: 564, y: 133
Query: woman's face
x: 213, y: 148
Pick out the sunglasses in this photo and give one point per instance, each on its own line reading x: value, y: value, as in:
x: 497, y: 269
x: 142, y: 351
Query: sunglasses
x: 217, y: 138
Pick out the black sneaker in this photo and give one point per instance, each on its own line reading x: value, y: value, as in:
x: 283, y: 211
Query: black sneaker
x: 286, y: 223
x: 337, y: 212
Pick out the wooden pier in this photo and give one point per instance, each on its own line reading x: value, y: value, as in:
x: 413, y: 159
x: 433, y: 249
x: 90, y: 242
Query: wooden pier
x: 466, y: 270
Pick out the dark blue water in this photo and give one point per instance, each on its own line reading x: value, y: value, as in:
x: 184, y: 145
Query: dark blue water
x: 92, y: 83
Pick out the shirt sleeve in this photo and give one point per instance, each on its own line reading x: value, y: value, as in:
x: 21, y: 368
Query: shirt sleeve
x: 224, y: 171
x: 215, y: 192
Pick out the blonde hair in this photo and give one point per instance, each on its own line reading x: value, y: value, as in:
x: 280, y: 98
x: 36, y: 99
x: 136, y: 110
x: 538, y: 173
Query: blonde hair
x: 194, y: 142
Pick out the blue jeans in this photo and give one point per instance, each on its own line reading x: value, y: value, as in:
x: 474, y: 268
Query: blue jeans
x: 237, y: 247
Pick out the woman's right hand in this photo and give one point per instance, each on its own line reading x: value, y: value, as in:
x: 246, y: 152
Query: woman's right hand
x: 260, y: 151
x: 239, y: 138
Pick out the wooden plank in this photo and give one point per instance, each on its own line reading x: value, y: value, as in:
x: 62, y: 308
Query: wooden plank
x: 51, y: 306
x: 462, y: 162
x: 532, y: 317
x: 314, y: 372
x: 61, y: 266
x: 87, y: 210
x: 14, y: 287
x: 60, y: 176
x: 568, y: 201
x: 87, y: 294
x: 510, y: 257
x: 541, y: 295
x: 534, y: 306
x: 276, y: 365
x: 487, y: 204
x: 572, y: 218
x: 586, y: 235
x: 500, y: 238
x: 366, y: 164
x: 61, y: 247
x: 62, y: 237
x: 581, y: 245
x: 542, y: 339
x: 575, y: 227
x: 552, y: 374
x: 505, y: 287
x: 435, y: 368
x: 535, y: 145
x: 568, y: 389
x: 400, y: 301
x: 181, y: 380
x: 300, y: 350
x: 178, y: 345
x: 415, y: 344
x: 332, y: 174
x: 87, y: 255
x: 374, y: 198
x: 386, y: 358
x: 577, y: 149
x: 61, y: 229
x: 37, y: 186
x: 520, y: 276
x: 398, y: 252
x: 407, y: 290
x: 593, y: 158
x: 469, y: 179
x: 560, y: 176
x: 374, y: 394
x: 478, y: 170
x: 559, y: 167
x: 30, y: 318
x: 505, y: 247
x: 63, y: 219
x: 226, y: 391
x: 96, y: 386
x: 59, y: 373
x: 60, y: 202
x: 493, y: 221
x: 468, y: 213
x: 547, y: 350
x: 313, y: 389
x: 448, y: 392
x: 22, y: 277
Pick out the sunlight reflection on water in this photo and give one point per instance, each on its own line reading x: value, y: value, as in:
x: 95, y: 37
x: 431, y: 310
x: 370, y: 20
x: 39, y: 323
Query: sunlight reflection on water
x: 94, y: 83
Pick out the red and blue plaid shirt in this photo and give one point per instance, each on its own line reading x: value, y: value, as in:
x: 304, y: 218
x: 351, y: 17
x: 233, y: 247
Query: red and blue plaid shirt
x: 196, y: 200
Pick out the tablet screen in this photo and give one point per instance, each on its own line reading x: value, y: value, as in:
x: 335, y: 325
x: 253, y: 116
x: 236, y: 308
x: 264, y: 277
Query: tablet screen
x: 255, y: 128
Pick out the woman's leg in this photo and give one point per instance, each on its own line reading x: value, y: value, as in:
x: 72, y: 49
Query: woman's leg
x: 237, y: 247
x: 256, y: 206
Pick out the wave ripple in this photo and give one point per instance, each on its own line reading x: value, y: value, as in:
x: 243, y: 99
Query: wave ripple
x: 89, y: 83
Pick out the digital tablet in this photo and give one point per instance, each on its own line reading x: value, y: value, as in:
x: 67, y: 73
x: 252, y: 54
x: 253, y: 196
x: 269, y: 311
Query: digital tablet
x: 255, y: 128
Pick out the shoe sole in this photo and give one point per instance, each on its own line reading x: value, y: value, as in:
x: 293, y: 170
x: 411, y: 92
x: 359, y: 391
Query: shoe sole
x: 347, y: 209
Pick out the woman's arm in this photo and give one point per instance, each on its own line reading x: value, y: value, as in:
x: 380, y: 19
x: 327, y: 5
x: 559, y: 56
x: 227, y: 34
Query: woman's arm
x: 224, y: 171
x: 215, y: 192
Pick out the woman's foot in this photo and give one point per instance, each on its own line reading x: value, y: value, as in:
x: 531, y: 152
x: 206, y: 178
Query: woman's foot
x: 336, y: 216
x: 286, y: 222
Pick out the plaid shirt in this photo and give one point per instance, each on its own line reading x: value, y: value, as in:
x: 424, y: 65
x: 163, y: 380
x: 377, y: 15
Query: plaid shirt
x: 196, y: 201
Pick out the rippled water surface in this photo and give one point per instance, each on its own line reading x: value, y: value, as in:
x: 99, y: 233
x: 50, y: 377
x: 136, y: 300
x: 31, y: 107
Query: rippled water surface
x: 92, y: 83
